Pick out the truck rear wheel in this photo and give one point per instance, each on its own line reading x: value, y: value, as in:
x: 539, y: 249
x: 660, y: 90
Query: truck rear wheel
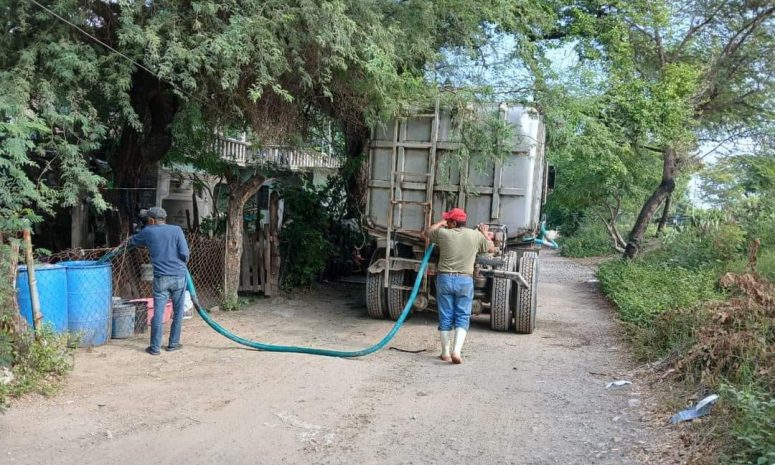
x: 376, y: 297
x: 500, y: 305
x: 396, y: 297
x: 525, y: 299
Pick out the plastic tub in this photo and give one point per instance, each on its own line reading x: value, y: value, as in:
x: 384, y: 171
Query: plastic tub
x: 149, y: 305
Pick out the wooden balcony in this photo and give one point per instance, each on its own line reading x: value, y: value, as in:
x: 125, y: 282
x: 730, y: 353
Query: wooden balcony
x: 243, y: 154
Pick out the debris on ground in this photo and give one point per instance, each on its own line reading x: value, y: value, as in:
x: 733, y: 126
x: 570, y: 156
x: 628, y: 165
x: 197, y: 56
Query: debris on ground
x: 700, y: 410
x: 6, y: 375
x: 618, y: 383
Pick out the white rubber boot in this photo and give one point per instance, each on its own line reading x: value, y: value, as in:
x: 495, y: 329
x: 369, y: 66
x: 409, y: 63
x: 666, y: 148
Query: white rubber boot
x: 460, y: 338
x: 446, y: 337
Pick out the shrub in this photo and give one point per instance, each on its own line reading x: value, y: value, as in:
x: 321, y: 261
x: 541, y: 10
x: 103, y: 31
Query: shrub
x: 590, y: 240
x: 753, y: 425
x: 36, y: 363
x: 725, y: 345
x: 643, y: 290
x: 708, y: 244
x: 316, y: 238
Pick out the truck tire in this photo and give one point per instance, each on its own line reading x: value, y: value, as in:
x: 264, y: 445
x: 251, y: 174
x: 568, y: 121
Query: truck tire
x: 500, y: 302
x: 525, y: 298
x: 376, y: 298
x: 396, y: 297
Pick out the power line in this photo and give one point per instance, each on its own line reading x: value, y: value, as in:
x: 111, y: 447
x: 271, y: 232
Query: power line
x: 96, y: 39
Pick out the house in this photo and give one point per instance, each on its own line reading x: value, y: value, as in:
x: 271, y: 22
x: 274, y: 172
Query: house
x: 176, y: 185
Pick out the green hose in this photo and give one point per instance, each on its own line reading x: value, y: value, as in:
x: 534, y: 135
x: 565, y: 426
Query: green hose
x: 303, y: 350
x: 310, y: 350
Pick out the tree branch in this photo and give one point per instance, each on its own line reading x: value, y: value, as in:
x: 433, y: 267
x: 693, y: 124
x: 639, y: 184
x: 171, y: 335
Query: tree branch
x: 733, y: 45
x: 652, y: 148
x: 695, y: 29
x: 660, y: 48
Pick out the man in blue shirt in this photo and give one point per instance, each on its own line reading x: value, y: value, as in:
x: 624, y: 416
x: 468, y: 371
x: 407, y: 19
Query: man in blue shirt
x: 169, y: 255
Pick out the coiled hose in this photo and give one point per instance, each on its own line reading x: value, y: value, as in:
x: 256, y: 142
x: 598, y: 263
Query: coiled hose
x: 297, y: 349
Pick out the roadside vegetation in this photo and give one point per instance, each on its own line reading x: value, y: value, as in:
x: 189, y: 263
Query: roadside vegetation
x: 699, y: 303
x: 649, y: 93
x: 29, y: 362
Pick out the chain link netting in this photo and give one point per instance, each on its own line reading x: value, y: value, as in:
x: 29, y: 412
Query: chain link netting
x: 132, y: 274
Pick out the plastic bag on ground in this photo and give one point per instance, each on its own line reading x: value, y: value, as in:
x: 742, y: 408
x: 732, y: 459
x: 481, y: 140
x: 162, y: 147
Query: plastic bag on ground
x: 700, y: 410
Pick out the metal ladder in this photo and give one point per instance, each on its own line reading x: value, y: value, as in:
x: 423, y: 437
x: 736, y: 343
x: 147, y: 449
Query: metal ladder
x: 397, y: 176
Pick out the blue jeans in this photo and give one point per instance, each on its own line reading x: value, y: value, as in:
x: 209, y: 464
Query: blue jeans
x: 454, y: 295
x: 164, y: 288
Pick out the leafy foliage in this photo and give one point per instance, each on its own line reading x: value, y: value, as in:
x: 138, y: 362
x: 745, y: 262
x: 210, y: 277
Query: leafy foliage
x: 643, y: 290
x: 316, y: 237
x: 668, y: 76
x: 676, y: 312
x: 589, y: 240
x: 37, y: 363
x: 754, y: 424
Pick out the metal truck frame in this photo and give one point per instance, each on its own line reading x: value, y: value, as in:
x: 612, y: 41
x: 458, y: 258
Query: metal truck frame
x: 410, y: 185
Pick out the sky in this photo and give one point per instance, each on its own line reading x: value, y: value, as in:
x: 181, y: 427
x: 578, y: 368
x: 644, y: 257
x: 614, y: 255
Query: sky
x: 496, y: 67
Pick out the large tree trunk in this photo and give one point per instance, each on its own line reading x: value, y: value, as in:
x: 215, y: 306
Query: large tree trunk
x: 156, y: 107
x: 195, y: 213
x: 356, y: 140
x: 239, y: 193
x: 665, y: 214
x: 666, y: 187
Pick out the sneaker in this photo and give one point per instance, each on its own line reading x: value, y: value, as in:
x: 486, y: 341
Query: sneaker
x: 150, y: 350
x: 173, y: 348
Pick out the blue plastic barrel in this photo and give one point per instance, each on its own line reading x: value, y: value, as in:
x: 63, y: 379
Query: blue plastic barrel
x: 52, y: 293
x: 89, y: 301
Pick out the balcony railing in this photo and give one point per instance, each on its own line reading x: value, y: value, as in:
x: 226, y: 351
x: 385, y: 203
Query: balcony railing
x: 244, y: 154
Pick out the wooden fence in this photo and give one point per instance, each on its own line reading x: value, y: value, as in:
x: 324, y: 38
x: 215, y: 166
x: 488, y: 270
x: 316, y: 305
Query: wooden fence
x: 260, y: 264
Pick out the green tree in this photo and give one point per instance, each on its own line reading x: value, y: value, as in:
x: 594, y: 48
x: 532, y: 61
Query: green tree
x: 599, y: 173
x: 677, y: 73
x: 266, y: 67
x: 743, y: 186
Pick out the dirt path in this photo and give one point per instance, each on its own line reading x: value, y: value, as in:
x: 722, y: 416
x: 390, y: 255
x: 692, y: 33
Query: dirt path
x: 537, y: 399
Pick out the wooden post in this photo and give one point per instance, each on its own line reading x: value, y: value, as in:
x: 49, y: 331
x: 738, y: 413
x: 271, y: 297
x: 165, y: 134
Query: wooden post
x: 267, y: 261
x: 16, y: 320
x: 37, y: 317
x: 274, y: 242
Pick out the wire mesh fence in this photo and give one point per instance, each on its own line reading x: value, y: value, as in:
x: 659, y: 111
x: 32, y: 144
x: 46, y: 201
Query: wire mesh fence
x: 132, y: 276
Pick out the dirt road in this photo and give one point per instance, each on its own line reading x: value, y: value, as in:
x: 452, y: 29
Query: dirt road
x: 537, y: 399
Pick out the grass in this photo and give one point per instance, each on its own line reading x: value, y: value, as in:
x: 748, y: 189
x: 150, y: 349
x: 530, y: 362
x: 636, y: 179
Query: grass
x: 37, y: 364
x: 590, y: 240
x: 690, y: 304
x: 643, y: 290
x: 753, y: 425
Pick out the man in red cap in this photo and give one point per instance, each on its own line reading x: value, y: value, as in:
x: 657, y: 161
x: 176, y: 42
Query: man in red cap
x: 458, y: 247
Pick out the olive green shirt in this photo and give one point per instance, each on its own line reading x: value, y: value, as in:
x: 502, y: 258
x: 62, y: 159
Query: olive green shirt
x: 458, y: 248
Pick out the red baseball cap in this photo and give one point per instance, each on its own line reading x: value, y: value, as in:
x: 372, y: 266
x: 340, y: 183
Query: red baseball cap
x: 456, y: 214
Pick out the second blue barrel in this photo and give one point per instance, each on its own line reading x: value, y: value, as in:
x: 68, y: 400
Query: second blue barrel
x: 52, y: 293
x: 89, y: 301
